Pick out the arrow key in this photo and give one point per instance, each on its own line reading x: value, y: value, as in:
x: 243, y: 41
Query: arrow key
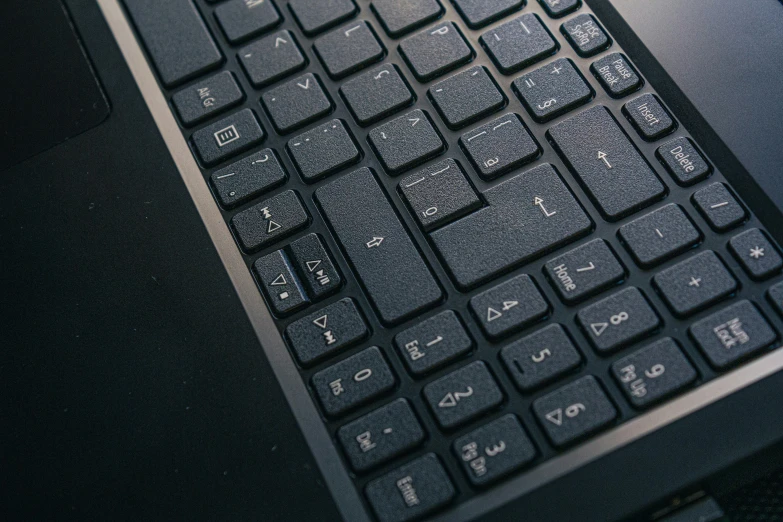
x: 618, y: 320
x: 281, y: 288
x: 269, y: 221
x: 463, y: 395
x: 574, y: 411
x: 326, y: 331
x: 509, y: 306
x: 312, y: 261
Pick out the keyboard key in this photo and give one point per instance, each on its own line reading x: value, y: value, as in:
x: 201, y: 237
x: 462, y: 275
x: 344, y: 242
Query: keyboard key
x: 316, y: 268
x: 272, y: 58
x: 616, y: 75
x: 439, y: 194
x: 406, y: 142
x: 411, y: 491
x: 695, y: 284
x: 574, y: 411
x: 509, y: 306
x: 243, y: 19
x: 433, y: 342
x: 734, y: 333
x: 649, y: 117
x: 353, y: 381
x: 756, y: 253
x: 376, y: 94
x: 719, y: 207
x: 528, y: 215
x: 618, y: 320
x: 518, y: 43
x: 466, y: 97
x: 348, y: 49
x: 282, y: 289
x: 585, y: 271
x: 248, y: 178
x: 600, y: 154
x: 659, y: 235
x: 269, y: 221
x: 653, y: 373
x: 686, y: 165
x: 775, y: 296
x: 494, y: 450
x: 585, y: 35
x: 540, y: 358
x: 207, y: 98
x: 296, y: 103
x: 326, y: 331
x: 381, y: 435
x: 462, y: 395
x: 227, y: 137
x: 478, y: 13
x: 323, y: 150
x: 316, y: 17
x: 379, y: 248
x: 552, y: 90
x: 558, y: 8
x: 499, y: 146
x: 176, y: 38
x: 435, y: 51
x: 403, y: 16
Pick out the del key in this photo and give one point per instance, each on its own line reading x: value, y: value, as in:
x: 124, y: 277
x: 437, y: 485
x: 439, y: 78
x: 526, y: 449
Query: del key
x: 397, y: 280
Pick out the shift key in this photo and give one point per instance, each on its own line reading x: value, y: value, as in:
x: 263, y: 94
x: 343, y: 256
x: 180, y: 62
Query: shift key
x: 604, y: 160
x: 397, y: 280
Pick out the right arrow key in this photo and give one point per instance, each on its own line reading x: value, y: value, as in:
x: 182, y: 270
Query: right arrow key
x: 574, y: 411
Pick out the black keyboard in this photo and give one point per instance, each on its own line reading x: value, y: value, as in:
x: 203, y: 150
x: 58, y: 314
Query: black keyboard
x: 484, y: 236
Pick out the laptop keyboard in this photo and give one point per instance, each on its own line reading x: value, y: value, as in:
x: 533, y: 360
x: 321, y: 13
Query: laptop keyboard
x: 483, y: 235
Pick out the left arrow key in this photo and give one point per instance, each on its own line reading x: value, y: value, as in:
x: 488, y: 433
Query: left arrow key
x: 282, y: 289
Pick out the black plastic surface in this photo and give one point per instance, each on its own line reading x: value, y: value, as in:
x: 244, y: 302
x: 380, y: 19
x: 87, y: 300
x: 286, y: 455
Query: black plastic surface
x: 133, y: 386
x: 57, y: 99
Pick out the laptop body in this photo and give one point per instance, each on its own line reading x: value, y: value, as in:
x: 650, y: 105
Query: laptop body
x: 150, y: 375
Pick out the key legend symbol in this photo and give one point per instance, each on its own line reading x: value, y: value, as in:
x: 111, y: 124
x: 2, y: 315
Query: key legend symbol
x: 225, y: 136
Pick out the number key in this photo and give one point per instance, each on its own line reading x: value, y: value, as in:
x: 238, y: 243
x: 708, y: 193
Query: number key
x: 353, y: 381
x: 541, y: 357
x: 574, y: 411
x: 494, y: 450
x: 478, y: 13
x: 618, y: 320
x: 653, y: 373
x: 463, y: 395
x: 509, y: 306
